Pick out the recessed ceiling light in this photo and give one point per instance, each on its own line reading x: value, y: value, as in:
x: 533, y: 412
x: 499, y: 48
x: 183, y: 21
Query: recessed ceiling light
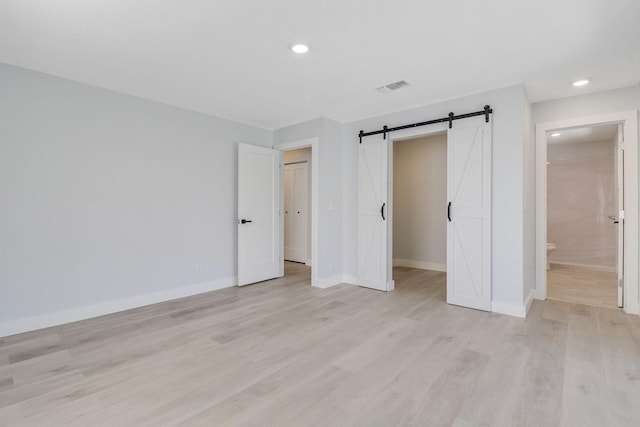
x: 299, y: 48
x: 582, y: 82
x: 554, y: 134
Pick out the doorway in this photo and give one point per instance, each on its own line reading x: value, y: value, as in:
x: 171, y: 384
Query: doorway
x: 297, y: 211
x: 468, y: 210
x: 419, y: 212
x: 299, y: 232
x: 625, y: 204
x: 261, y: 206
x: 584, y: 258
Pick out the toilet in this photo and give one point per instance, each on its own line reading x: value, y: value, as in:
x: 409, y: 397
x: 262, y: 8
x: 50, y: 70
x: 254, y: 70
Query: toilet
x: 550, y: 248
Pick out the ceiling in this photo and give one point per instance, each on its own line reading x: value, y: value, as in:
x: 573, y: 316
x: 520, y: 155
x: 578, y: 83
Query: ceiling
x: 230, y: 58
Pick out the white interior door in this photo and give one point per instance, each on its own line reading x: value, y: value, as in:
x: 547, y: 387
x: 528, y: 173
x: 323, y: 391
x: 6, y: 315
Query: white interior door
x: 295, y: 212
x: 469, y: 214
x: 620, y: 216
x: 258, y: 214
x: 372, y: 212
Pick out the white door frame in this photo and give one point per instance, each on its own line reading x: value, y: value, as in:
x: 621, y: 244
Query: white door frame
x: 410, y: 133
x: 294, y: 145
x: 630, y: 121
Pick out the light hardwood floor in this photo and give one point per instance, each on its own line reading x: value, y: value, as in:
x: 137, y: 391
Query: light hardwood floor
x: 582, y: 286
x: 281, y: 353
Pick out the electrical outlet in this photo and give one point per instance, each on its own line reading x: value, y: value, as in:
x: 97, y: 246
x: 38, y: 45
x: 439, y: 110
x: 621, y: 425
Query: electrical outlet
x: 198, y: 270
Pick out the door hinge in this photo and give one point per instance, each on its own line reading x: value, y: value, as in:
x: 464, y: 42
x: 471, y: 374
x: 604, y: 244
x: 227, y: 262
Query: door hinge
x: 621, y: 215
x: 621, y: 283
x: 620, y: 141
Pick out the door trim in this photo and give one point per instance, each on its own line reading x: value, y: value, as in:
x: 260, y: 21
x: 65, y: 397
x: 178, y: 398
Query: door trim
x: 312, y: 142
x: 630, y: 121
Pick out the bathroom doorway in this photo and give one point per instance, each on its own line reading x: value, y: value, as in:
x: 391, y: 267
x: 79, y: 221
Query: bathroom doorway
x: 582, y: 215
x: 606, y: 251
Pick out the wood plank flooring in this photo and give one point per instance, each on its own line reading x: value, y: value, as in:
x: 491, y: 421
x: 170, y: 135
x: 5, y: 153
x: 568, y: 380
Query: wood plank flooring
x: 582, y: 286
x: 281, y: 353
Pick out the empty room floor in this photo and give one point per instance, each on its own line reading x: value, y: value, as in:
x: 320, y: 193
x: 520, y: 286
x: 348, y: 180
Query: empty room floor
x: 283, y: 353
x: 582, y: 286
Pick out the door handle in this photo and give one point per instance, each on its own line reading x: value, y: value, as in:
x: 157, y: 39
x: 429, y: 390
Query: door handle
x: 244, y: 221
x: 449, y: 211
x: 382, y: 211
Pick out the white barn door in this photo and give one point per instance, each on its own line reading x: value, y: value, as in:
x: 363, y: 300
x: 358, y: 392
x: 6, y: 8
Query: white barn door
x: 372, y: 212
x: 258, y: 214
x: 469, y: 214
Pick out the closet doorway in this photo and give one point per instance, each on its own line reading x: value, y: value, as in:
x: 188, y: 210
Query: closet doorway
x: 467, y: 210
x: 420, y: 214
x: 297, y: 205
x: 297, y: 198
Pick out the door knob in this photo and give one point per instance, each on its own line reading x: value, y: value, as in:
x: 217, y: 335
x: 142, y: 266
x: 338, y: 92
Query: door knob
x: 244, y: 221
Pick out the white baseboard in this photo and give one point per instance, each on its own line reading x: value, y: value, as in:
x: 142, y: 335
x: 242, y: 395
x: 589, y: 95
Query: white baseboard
x: 86, y: 312
x: 419, y: 264
x: 391, y: 285
x: 509, y: 309
x: 328, y: 282
x: 602, y: 268
x: 351, y: 280
x: 528, y: 301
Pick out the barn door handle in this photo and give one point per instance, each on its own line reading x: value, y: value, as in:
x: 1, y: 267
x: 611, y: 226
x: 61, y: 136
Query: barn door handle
x: 449, y: 211
x: 382, y: 211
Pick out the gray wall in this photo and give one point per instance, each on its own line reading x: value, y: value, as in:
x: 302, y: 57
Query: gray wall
x: 419, y: 202
x: 330, y: 192
x: 611, y: 101
x: 107, y: 196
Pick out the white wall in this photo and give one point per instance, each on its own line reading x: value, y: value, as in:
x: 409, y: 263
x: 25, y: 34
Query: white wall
x: 508, y: 123
x: 529, y: 205
x: 304, y: 155
x: 109, y: 201
x: 611, y: 101
x: 419, y: 202
x: 580, y: 197
x: 329, y: 135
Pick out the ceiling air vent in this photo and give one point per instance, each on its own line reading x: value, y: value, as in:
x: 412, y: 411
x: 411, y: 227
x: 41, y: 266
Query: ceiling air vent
x: 393, y: 86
